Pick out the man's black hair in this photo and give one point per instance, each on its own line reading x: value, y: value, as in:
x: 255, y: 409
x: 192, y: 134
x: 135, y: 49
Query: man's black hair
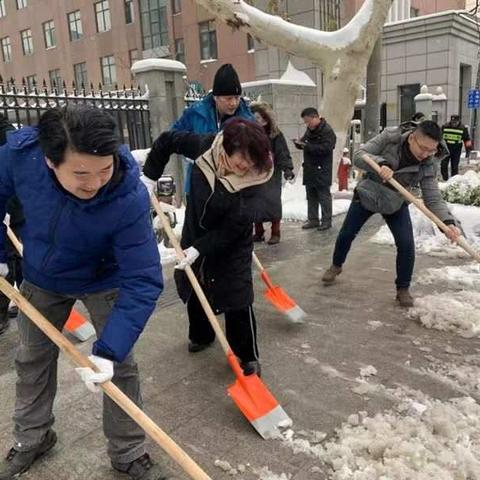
x: 80, y: 128
x: 309, y: 112
x: 430, y: 129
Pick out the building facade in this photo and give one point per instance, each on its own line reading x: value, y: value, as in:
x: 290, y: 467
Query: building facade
x: 81, y: 41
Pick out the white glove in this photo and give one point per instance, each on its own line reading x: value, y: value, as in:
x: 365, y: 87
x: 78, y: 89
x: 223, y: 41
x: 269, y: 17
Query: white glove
x: 191, y: 254
x: 149, y: 183
x: 92, y: 378
x: 3, y: 269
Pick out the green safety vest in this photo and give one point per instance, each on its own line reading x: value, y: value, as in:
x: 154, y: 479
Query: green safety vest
x: 453, y: 135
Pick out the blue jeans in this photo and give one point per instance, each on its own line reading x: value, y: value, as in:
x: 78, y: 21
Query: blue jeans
x: 399, y: 224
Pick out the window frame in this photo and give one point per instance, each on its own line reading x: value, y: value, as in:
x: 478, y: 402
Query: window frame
x: 29, y: 40
x: 83, y: 73
x: 129, y: 9
x: 102, y: 16
x: 6, y: 47
x: 160, y: 37
x: 209, y: 34
x: 58, y: 79
x: 77, y: 22
x: 176, y: 6
x: 109, y: 66
x: 21, y: 4
x: 180, y: 41
x: 49, y: 32
x: 3, y: 9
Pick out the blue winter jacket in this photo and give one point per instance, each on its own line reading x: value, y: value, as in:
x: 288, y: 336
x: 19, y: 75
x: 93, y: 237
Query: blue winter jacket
x: 74, y: 246
x: 201, y: 117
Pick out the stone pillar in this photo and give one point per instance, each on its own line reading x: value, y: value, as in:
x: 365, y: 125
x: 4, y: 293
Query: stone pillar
x: 423, y: 102
x: 439, y: 107
x: 163, y: 81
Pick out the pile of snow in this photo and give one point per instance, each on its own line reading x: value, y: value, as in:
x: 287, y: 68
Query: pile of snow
x: 419, y: 438
x: 294, y: 202
x: 457, y: 312
x: 453, y: 277
x: 469, y: 180
x: 430, y: 240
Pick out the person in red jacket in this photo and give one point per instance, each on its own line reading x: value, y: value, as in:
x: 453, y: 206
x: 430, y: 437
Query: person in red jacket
x: 344, y: 170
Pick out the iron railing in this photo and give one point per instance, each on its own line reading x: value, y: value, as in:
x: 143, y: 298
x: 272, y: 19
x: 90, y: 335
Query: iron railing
x: 24, y: 104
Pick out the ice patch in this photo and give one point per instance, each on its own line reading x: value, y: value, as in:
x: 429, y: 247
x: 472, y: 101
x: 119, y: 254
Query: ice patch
x: 454, y: 277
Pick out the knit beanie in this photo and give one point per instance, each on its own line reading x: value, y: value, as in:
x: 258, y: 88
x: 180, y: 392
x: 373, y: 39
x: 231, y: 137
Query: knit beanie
x: 226, y: 81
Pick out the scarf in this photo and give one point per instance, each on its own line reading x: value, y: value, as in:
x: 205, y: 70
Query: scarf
x: 215, y: 164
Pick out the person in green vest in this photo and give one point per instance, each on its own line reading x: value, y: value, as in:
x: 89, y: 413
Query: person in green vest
x: 455, y: 134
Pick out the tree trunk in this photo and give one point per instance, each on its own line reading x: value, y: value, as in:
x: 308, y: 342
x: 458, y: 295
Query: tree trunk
x: 372, y: 106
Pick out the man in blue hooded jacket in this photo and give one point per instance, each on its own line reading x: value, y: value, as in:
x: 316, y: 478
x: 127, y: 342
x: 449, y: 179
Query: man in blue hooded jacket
x: 210, y: 114
x: 87, y: 236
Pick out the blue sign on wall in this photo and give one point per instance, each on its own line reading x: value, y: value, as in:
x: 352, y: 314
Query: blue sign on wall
x: 474, y: 98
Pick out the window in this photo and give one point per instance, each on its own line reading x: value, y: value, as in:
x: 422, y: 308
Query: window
x: 49, y: 34
x: 208, y: 40
x: 3, y: 10
x: 129, y: 11
x: 176, y: 6
x: 31, y: 82
x: 414, y: 12
x: 250, y: 43
x: 75, y: 25
x: 407, y: 100
x: 154, y: 23
x: 55, y: 79
x: 132, y: 58
x: 6, y: 49
x: 329, y: 11
x: 109, y: 73
x: 27, y: 41
x: 80, y: 75
x: 180, y: 50
x: 22, y: 4
x: 102, y: 16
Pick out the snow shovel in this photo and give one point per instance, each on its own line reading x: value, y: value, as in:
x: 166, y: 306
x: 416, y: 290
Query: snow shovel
x: 248, y: 392
x: 150, y: 427
x: 419, y: 204
x: 278, y: 297
x: 76, y: 324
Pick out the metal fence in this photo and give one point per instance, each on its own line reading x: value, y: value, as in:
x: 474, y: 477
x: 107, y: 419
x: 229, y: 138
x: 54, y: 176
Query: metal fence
x: 24, y: 104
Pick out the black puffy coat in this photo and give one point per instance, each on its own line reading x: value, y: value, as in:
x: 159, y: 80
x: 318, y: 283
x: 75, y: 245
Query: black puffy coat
x: 318, y: 155
x: 272, y: 190
x: 217, y: 223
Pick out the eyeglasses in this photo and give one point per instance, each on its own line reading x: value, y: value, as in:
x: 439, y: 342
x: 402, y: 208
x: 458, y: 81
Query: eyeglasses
x: 424, y: 148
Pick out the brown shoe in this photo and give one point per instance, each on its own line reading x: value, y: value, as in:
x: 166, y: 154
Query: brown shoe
x: 404, y: 298
x: 331, y: 273
x: 274, y: 239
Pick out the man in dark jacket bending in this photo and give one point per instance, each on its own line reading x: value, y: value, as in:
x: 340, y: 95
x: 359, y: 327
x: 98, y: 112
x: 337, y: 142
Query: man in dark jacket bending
x: 317, y: 144
x: 87, y: 236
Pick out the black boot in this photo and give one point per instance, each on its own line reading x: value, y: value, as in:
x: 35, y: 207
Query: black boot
x: 17, y: 462
x: 310, y: 224
x: 143, y: 469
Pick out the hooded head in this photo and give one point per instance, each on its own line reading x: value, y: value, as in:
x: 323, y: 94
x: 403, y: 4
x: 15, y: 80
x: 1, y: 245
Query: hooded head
x: 226, y: 90
x: 264, y: 116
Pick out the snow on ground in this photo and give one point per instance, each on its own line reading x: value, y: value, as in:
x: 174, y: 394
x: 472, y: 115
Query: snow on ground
x: 294, y: 201
x: 470, y: 179
x: 429, y: 239
x: 452, y: 277
x: 419, y: 438
x: 457, y: 312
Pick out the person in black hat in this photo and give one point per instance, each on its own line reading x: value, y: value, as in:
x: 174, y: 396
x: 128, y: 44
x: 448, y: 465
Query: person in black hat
x: 206, y: 116
x: 455, y: 134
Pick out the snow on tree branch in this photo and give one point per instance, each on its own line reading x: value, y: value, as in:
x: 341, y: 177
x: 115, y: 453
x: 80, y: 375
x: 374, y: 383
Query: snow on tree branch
x: 322, y: 48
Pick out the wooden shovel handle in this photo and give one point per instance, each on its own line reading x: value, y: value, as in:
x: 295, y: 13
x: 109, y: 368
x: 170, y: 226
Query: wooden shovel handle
x: 420, y: 205
x: 257, y: 262
x: 150, y: 427
x: 15, y: 241
x: 191, y: 276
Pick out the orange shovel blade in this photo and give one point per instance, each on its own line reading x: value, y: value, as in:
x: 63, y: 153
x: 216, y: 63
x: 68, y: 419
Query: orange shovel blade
x: 279, y: 298
x: 256, y: 402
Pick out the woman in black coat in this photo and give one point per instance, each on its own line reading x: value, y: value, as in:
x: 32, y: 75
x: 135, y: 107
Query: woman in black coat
x: 282, y: 162
x: 225, y: 199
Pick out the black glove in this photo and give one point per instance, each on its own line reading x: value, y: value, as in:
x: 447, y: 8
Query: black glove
x: 288, y: 174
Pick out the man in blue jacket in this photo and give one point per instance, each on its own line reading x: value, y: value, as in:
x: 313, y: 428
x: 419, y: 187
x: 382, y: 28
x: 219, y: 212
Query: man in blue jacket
x: 210, y: 114
x: 87, y: 236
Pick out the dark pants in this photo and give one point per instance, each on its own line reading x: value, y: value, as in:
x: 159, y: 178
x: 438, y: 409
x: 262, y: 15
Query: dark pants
x: 399, y: 224
x: 454, y: 159
x: 14, y: 276
x: 36, y: 366
x: 260, y: 230
x: 240, y: 326
x: 319, y: 196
